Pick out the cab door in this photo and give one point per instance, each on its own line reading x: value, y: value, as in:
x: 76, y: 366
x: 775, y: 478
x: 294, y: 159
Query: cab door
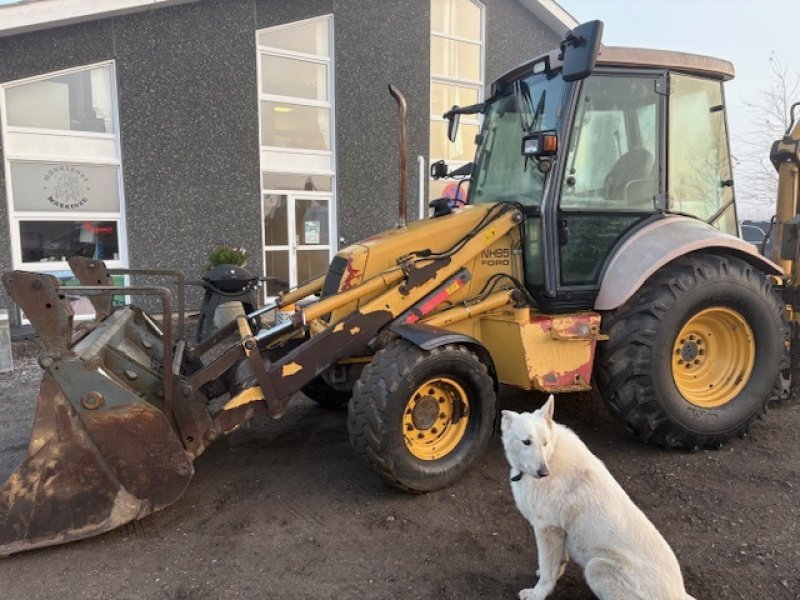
x: 611, y: 180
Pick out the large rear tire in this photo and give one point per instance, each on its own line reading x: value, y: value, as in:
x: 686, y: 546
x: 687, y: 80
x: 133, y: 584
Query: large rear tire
x: 697, y: 354
x: 421, y: 418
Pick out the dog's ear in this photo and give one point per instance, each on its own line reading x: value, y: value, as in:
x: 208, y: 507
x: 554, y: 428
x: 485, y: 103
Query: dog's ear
x: 506, y: 419
x: 548, y: 409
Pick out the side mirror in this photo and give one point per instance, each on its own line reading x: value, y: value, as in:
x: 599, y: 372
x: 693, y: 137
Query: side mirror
x: 579, y: 50
x: 439, y: 170
x: 453, y: 120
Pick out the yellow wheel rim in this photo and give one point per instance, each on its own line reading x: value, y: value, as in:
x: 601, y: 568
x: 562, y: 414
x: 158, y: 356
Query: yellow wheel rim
x: 435, y: 418
x: 713, y: 357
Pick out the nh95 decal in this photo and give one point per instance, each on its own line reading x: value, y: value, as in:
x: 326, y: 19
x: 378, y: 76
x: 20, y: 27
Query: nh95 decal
x: 496, y: 257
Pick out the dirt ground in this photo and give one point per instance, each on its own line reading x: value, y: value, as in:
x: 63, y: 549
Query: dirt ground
x: 285, y: 509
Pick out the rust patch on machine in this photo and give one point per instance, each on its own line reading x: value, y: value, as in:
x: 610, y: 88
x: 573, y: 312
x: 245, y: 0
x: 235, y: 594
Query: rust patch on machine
x: 88, y: 472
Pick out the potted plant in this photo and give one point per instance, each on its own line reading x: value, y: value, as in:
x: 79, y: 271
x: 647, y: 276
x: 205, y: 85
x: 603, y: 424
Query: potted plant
x: 227, y: 255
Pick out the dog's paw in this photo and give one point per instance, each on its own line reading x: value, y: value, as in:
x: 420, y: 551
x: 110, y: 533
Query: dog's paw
x: 531, y: 594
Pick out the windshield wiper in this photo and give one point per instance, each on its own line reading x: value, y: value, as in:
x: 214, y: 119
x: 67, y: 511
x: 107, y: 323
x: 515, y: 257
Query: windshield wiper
x: 522, y: 93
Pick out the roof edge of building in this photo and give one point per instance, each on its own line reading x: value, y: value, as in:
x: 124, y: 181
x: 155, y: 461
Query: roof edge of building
x: 36, y: 15
x: 552, y: 14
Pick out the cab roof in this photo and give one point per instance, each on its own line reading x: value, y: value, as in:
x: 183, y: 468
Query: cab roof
x: 638, y: 58
x: 695, y: 64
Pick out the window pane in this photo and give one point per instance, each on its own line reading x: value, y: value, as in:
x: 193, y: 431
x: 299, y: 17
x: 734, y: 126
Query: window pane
x: 64, y: 187
x: 276, y: 220
x: 78, y: 102
x: 276, y: 265
x: 463, y: 149
x: 461, y: 18
x: 444, y: 97
x: 294, y: 126
x: 290, y: 77
x: 455, y: 59
x: 47, y: 241
x: 612, y: 158
x: 307, y: 183
x: 311, y: 263
x: 310, y: 38
x: 698, y: 155
x: 311, y: 222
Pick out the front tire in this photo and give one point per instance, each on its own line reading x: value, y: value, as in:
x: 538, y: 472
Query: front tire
x: 421, y: 418
x: 695, y: 356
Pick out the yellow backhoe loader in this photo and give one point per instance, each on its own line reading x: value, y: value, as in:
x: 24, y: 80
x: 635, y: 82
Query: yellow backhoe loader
x: 598, y: 246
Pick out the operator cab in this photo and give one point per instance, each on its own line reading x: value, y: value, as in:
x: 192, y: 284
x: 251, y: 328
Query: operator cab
x: 594, y: 155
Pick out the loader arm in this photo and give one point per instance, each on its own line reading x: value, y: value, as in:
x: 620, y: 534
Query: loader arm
x: 123, y: 410
x: 405, y: 288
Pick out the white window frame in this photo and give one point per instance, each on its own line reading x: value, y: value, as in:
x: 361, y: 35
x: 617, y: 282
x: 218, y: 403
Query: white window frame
x: 16, y: 216
x: 330, y: 104
x: 480, y: 84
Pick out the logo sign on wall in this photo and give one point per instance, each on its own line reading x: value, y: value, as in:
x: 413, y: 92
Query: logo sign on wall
x: 67, y: 187
x: 59, y: 187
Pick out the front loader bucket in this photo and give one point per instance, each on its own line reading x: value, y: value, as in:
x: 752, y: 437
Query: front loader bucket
x: 88, y: 472
x: 103, y: 451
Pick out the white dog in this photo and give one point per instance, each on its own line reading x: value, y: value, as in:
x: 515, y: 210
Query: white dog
x: 578, y: 510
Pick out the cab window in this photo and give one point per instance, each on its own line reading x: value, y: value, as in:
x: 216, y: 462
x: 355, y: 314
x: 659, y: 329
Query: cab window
x: 699, y: 181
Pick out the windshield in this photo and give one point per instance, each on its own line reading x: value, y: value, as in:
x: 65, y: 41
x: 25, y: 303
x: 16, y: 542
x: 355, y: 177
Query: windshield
x: 501, y: 173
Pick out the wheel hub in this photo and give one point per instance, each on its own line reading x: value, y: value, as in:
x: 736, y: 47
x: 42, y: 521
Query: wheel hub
x: 690, y: 350
x: 425, y: 413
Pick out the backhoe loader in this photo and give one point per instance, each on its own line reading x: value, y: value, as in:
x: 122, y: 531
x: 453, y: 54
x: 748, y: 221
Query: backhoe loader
x: 598, y: 246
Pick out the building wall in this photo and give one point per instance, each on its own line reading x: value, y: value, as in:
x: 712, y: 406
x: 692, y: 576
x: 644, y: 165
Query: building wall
x: 513, y: 36
x: 388, y: 42
x: 187, y: 86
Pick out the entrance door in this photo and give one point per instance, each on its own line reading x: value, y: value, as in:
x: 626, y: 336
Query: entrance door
x: 297, y: 236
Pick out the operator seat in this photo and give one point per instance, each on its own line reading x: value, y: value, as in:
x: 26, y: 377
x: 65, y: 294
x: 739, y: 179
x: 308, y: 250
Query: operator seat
x: 636, y: 165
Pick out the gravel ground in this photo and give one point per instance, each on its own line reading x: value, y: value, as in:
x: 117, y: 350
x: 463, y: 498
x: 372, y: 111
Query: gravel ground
x: 285, y: 509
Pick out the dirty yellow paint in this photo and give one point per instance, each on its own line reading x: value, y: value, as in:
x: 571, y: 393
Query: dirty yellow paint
x: 533, y: 351
x: 291, y: 369
x: 338, y: 328
x: 249, y: 395
x: 355, y: 330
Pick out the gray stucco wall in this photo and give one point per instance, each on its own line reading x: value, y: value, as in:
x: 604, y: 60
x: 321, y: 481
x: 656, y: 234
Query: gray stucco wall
x: 189, y: 123
x: 187, y: 86
x: 513, y: 36
x: 376, y: 44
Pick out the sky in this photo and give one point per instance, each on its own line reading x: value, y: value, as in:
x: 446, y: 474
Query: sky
x: 744, y: 32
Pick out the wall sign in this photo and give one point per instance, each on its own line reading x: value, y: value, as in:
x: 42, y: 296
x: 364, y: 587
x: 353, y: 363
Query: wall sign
x: 49, y: 187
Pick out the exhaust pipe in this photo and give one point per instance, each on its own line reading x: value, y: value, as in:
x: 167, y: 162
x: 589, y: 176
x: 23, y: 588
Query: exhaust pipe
x: 403, y: 108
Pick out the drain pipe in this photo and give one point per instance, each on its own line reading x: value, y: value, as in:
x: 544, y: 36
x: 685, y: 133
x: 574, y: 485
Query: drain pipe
x: 401, y: 105
x: 423, y: 175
